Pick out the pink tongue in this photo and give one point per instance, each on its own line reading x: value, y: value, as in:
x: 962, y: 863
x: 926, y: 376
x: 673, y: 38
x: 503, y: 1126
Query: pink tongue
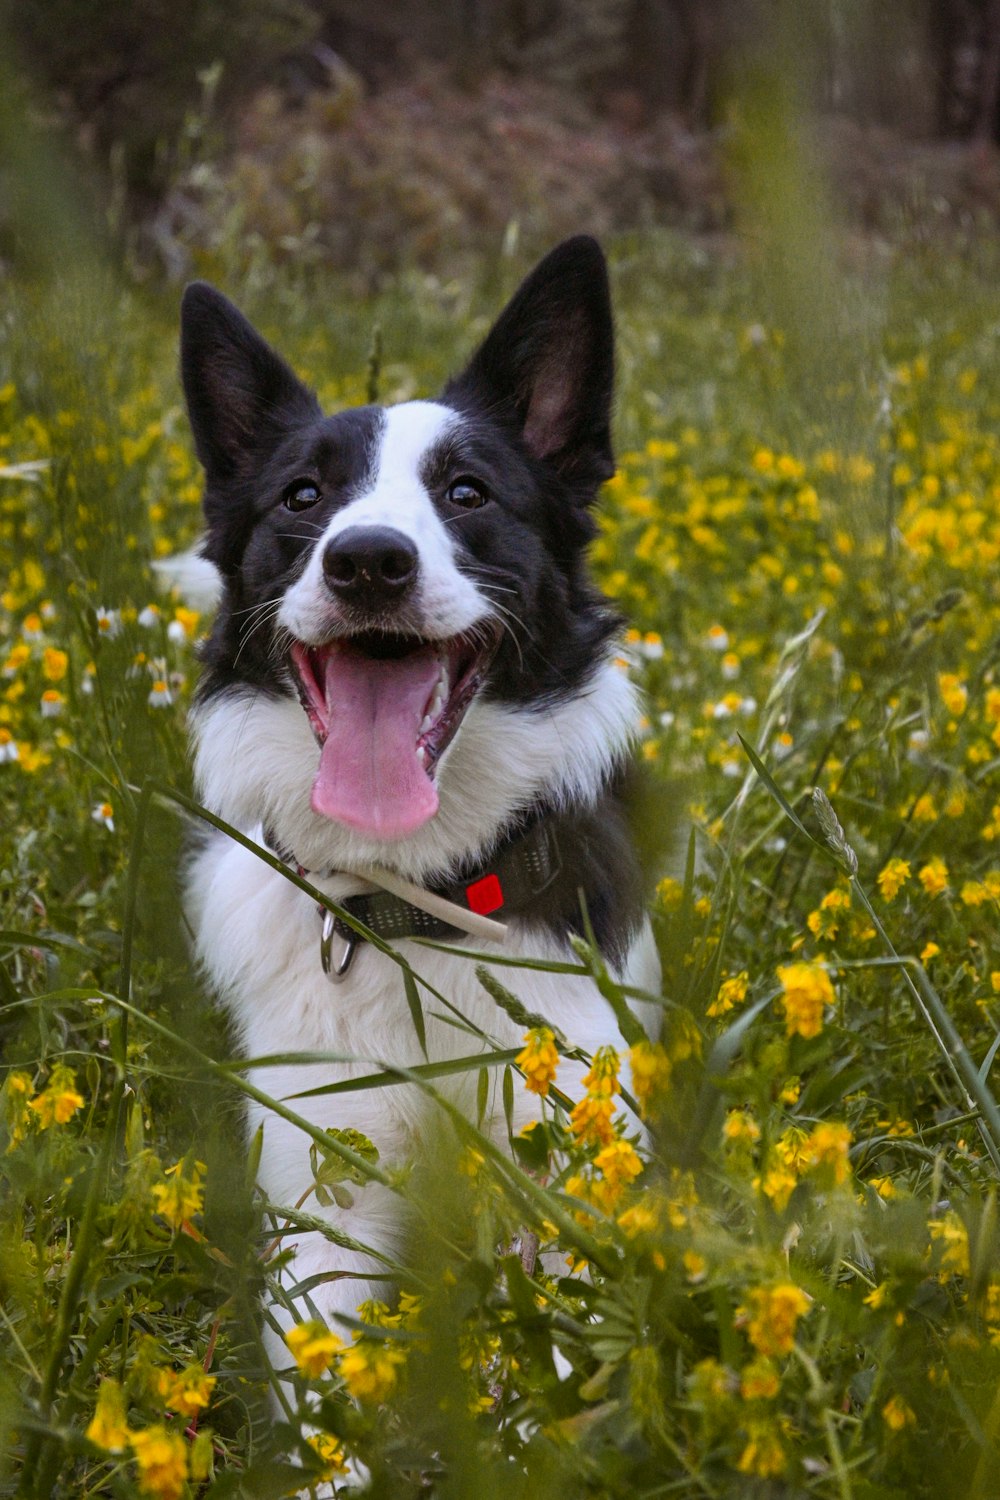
x: 369, y: 776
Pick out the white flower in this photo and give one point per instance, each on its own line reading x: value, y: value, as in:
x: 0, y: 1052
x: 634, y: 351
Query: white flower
x: 8, y: 747
x: 109, y: 622
x: 149, y: 616
x: 717, y: 638
x: 160, y: 695
x: 104, y: 813
x: 177, y: 633
x: 52, y: 703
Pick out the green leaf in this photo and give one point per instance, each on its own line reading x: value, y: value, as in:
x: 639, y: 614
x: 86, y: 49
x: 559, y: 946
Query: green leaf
x: 416, y: 1009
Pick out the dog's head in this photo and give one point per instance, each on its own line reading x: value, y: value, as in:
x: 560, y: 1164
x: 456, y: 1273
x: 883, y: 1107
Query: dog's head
x: 406, y: 610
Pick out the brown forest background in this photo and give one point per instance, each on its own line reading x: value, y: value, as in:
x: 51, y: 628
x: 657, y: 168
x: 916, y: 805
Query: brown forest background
x: 376, y: 136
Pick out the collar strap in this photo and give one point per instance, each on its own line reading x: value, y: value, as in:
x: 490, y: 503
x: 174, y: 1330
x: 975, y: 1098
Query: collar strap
x: 519, y: 872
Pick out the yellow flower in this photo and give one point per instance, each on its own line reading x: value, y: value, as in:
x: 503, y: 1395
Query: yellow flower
x: 763, y: 1454
x: 685, y: 1038
x: 187, y: 619
x: 54, y: 664
x: 695, y: 1266
x: 60, y: 1101
x: 670, y: 893
x: 108, y: 1427
x: 16, y: 658
x: 774, y: 1313
x: 186, y: 1392
x: 827, y: 1146
x: 330, y: 1452
x: 806, y: 991
x: 824, y: 922
x: 933, y: 876
x: 953, y: 693
x: 313, y: 1347
x: 759, y: 1381
x: 953, y: 1237
x: 790, y: 1148
x: 538, y: 1060
x: 651, y: 1069
x: 732, y: 991
x: 179, y: 1199
x: 710, y: 1382
x: 17, y: 1092
x: 162, y: 1460
x: 619, y: 1163
x: 893, y: 877
x: 790, y: 1093
x: 955, y: 806
x: 897, y: 1414
x: 641, y: 1218
x: 370, y: 1370
x: 778, y: 1184
x: 740, y: 1126
x: 602, y: 1078
x: 591, y: 1120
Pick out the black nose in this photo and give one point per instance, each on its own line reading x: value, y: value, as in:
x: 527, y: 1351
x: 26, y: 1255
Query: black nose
x: 370, y: 566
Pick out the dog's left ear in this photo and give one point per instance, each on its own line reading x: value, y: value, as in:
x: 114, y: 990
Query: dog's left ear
x: 240, y: 394
x: 548, y: 363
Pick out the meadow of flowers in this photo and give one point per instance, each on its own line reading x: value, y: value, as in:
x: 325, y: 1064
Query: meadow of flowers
x: 795, y: 1289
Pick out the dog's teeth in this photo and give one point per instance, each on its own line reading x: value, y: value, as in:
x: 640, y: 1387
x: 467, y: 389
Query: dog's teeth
x: 427, y: 722
x: 421, y: 754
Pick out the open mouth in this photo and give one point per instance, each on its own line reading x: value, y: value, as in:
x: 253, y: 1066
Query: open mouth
x: 384, y: 708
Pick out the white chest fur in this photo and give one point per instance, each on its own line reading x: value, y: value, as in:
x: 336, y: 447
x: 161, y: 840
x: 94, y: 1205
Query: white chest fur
x: 258, y: 937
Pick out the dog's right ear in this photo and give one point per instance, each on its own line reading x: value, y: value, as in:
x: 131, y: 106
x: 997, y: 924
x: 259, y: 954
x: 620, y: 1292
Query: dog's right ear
x: 240, y: 394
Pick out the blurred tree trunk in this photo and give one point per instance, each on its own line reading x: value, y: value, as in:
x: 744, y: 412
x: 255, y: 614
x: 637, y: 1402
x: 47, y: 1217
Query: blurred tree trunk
x: 988, y: 93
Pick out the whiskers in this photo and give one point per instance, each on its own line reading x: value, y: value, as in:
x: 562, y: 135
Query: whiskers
x: 259, y: 617
x: 508, y: 619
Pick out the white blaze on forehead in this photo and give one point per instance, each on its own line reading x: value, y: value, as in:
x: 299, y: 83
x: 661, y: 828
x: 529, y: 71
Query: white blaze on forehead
x: 396, y: 496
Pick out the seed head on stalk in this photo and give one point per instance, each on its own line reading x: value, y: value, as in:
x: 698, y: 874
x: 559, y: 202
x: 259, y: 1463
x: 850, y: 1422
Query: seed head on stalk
x: 832, y: 831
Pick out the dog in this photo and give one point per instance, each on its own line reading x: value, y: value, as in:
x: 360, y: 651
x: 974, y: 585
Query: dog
x: 411, y: 697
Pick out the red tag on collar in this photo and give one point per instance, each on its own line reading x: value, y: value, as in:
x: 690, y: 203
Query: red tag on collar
x: 485, y: 895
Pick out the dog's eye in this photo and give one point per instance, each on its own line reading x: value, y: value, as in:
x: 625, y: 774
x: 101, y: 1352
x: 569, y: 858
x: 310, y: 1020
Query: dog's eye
x: 467, y: 492
x: 301, y: 494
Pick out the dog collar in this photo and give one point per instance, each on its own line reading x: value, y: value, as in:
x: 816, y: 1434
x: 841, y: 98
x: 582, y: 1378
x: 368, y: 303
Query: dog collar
x: 520, y: 871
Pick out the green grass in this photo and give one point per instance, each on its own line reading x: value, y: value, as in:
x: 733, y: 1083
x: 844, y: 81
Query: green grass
x: 801, y: 1294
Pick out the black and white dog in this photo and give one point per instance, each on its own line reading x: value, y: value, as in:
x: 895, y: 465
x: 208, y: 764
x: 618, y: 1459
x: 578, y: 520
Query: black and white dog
x: 411, y: 679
